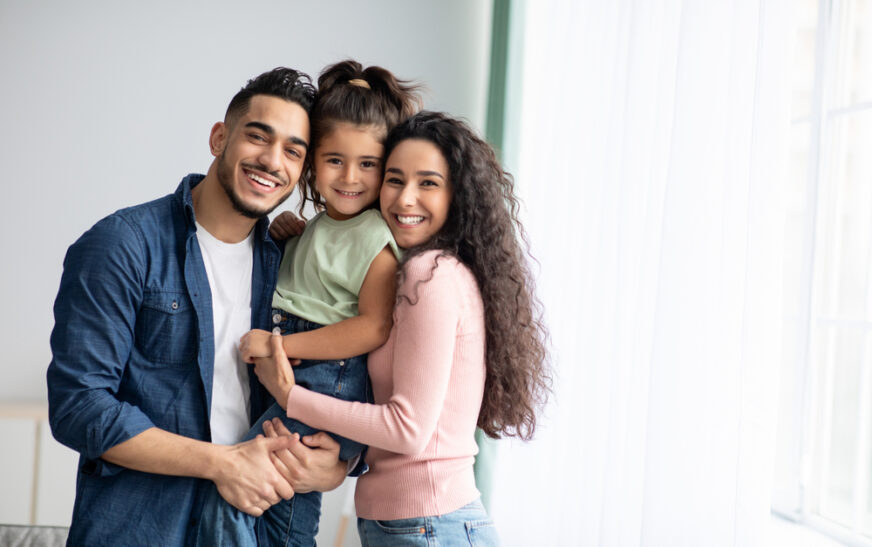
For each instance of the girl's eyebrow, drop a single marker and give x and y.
(367, 157)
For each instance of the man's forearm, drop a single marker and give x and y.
(164, 453)
(243, 473)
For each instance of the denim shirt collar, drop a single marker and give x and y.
(183, 194)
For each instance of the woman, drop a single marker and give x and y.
(467, 346)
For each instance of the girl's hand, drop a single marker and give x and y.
(275, 373)
(286, 226)
(255, 344)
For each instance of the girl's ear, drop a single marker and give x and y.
(218, 138)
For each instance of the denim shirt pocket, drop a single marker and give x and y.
(166, 328)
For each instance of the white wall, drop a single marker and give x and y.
(105, 104)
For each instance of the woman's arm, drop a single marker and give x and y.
(354, 336)
(423, 348)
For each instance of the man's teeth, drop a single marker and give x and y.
(349, 194)
(260, 180)
(410, 219)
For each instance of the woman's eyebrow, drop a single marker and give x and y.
(399, 171)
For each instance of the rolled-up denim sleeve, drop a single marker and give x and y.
(93, 335)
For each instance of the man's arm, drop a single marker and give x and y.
(244, 473)
(92, 340)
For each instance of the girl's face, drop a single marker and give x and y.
(416, 193)
(347, 167)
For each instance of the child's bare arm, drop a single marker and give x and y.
(354, 336)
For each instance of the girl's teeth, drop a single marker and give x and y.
(409, 219)
(350, 194)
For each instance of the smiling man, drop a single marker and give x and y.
(145, 381)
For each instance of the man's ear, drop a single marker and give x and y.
(218, 138)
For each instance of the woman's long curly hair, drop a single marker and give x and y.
(482, 230)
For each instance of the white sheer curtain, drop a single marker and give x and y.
(648, 144)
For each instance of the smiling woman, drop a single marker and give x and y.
(416, 192)
(466, 348)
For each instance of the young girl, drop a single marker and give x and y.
(335, 290)
(466, 348)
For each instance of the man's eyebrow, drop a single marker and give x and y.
(268, 129)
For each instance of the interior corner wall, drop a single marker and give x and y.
(107, 104)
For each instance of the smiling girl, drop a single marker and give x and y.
(335, 291)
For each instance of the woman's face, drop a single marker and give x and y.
(416, 192)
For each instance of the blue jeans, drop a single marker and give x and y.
(469, 525)
(294, 521)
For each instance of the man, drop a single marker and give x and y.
(145, 381)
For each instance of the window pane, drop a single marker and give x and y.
(853, 77)
(842, 350)
(847, 230)
(804, 57)
(796, 219)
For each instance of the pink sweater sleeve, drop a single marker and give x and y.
(423, 341)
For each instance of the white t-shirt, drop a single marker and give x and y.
(228, 267)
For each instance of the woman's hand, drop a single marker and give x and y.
(312, 464)
(286, 226)
(275, 372)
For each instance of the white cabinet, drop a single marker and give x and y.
(37, 474)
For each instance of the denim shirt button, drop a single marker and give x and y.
(341, 363)
(277, 318)
(175, 305)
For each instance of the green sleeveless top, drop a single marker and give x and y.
(323, 269)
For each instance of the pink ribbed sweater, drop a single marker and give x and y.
(427, 381)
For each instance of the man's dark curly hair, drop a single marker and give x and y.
(284, 83)
(482, 230)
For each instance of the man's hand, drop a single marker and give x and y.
(275, 372)
(309, 465)
(247, 478)
(286, 226)
(255, 344)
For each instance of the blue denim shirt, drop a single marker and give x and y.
(132, 348)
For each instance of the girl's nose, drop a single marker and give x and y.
(349, 173)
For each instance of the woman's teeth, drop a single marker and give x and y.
(410, 220)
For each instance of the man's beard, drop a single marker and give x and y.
(225, 177)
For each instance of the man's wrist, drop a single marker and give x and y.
(214, 461)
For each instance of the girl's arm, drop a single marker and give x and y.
(354, 336)
(423, 347)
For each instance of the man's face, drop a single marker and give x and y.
(261, 154)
